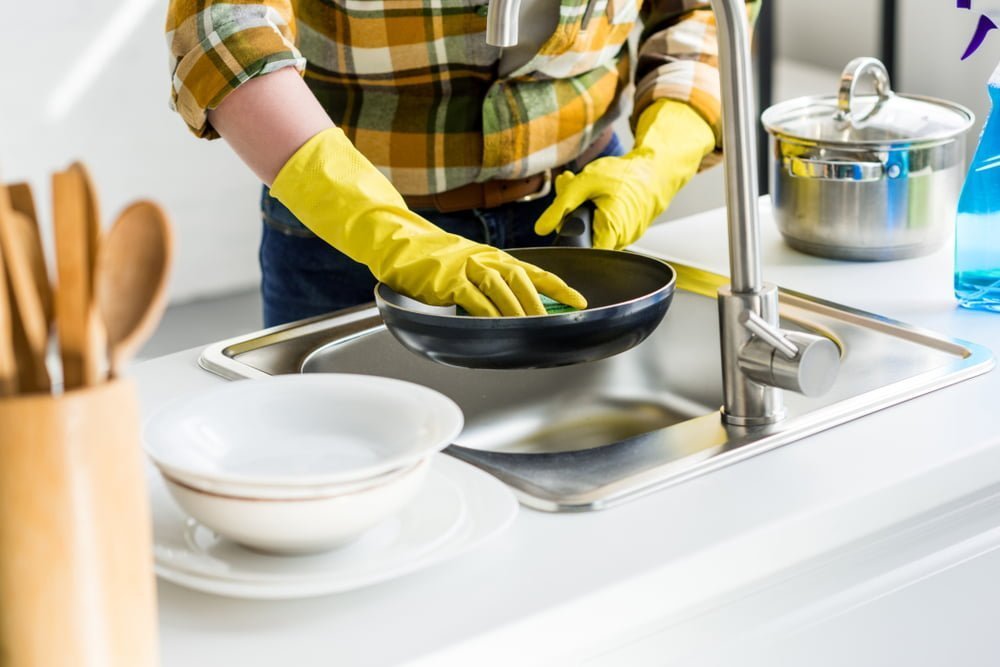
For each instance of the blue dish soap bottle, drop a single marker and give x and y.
(977, 241)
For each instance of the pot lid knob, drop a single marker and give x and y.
(853, 72)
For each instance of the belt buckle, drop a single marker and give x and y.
(542, 191)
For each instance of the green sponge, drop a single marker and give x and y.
(552, 307)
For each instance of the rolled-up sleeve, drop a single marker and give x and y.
(217, 46)
(679, 57)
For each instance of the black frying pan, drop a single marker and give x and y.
(627, 294)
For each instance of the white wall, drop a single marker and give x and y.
(824, 33)
(88, 79)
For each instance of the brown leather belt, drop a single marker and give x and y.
(498, 192)
(486, 195)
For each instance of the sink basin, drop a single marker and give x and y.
(592, 435)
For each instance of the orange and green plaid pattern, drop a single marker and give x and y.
(680, 60)
(216, 46)
(416, 88)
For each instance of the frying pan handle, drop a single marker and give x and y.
(577, 230)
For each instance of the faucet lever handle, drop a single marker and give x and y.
(800, 362)
(770, 334)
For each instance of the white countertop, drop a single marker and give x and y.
(768, 546)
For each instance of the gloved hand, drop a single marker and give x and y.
(338, 194)
(630, 191)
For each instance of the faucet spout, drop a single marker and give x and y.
(739, 143)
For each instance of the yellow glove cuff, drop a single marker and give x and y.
(329, 174)
(670, 129)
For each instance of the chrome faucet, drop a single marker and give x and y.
(758, 358)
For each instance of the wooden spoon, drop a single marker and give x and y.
(132, 271)
(74, 210)
(29, 289)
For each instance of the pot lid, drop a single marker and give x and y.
(882, 118)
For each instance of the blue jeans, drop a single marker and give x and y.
(303, 276)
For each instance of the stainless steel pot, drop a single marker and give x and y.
(866, 177)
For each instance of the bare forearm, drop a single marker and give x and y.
(267, 119)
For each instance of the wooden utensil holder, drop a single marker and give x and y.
(76, 570)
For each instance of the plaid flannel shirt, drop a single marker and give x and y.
(416, 88)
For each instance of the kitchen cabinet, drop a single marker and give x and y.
(868, 544)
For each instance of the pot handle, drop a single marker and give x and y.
(834, 170)
(854, 71)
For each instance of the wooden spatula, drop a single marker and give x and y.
(74, 209)
(96, 334)
(23, 201)
(22, 250)
(8, 368)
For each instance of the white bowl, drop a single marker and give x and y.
(300, 526)
(299, 435)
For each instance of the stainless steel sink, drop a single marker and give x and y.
(589, 436)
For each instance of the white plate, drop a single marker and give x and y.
(458, 508)
(317, 429)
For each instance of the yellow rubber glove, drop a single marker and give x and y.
(338, 194)
(630, 191)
